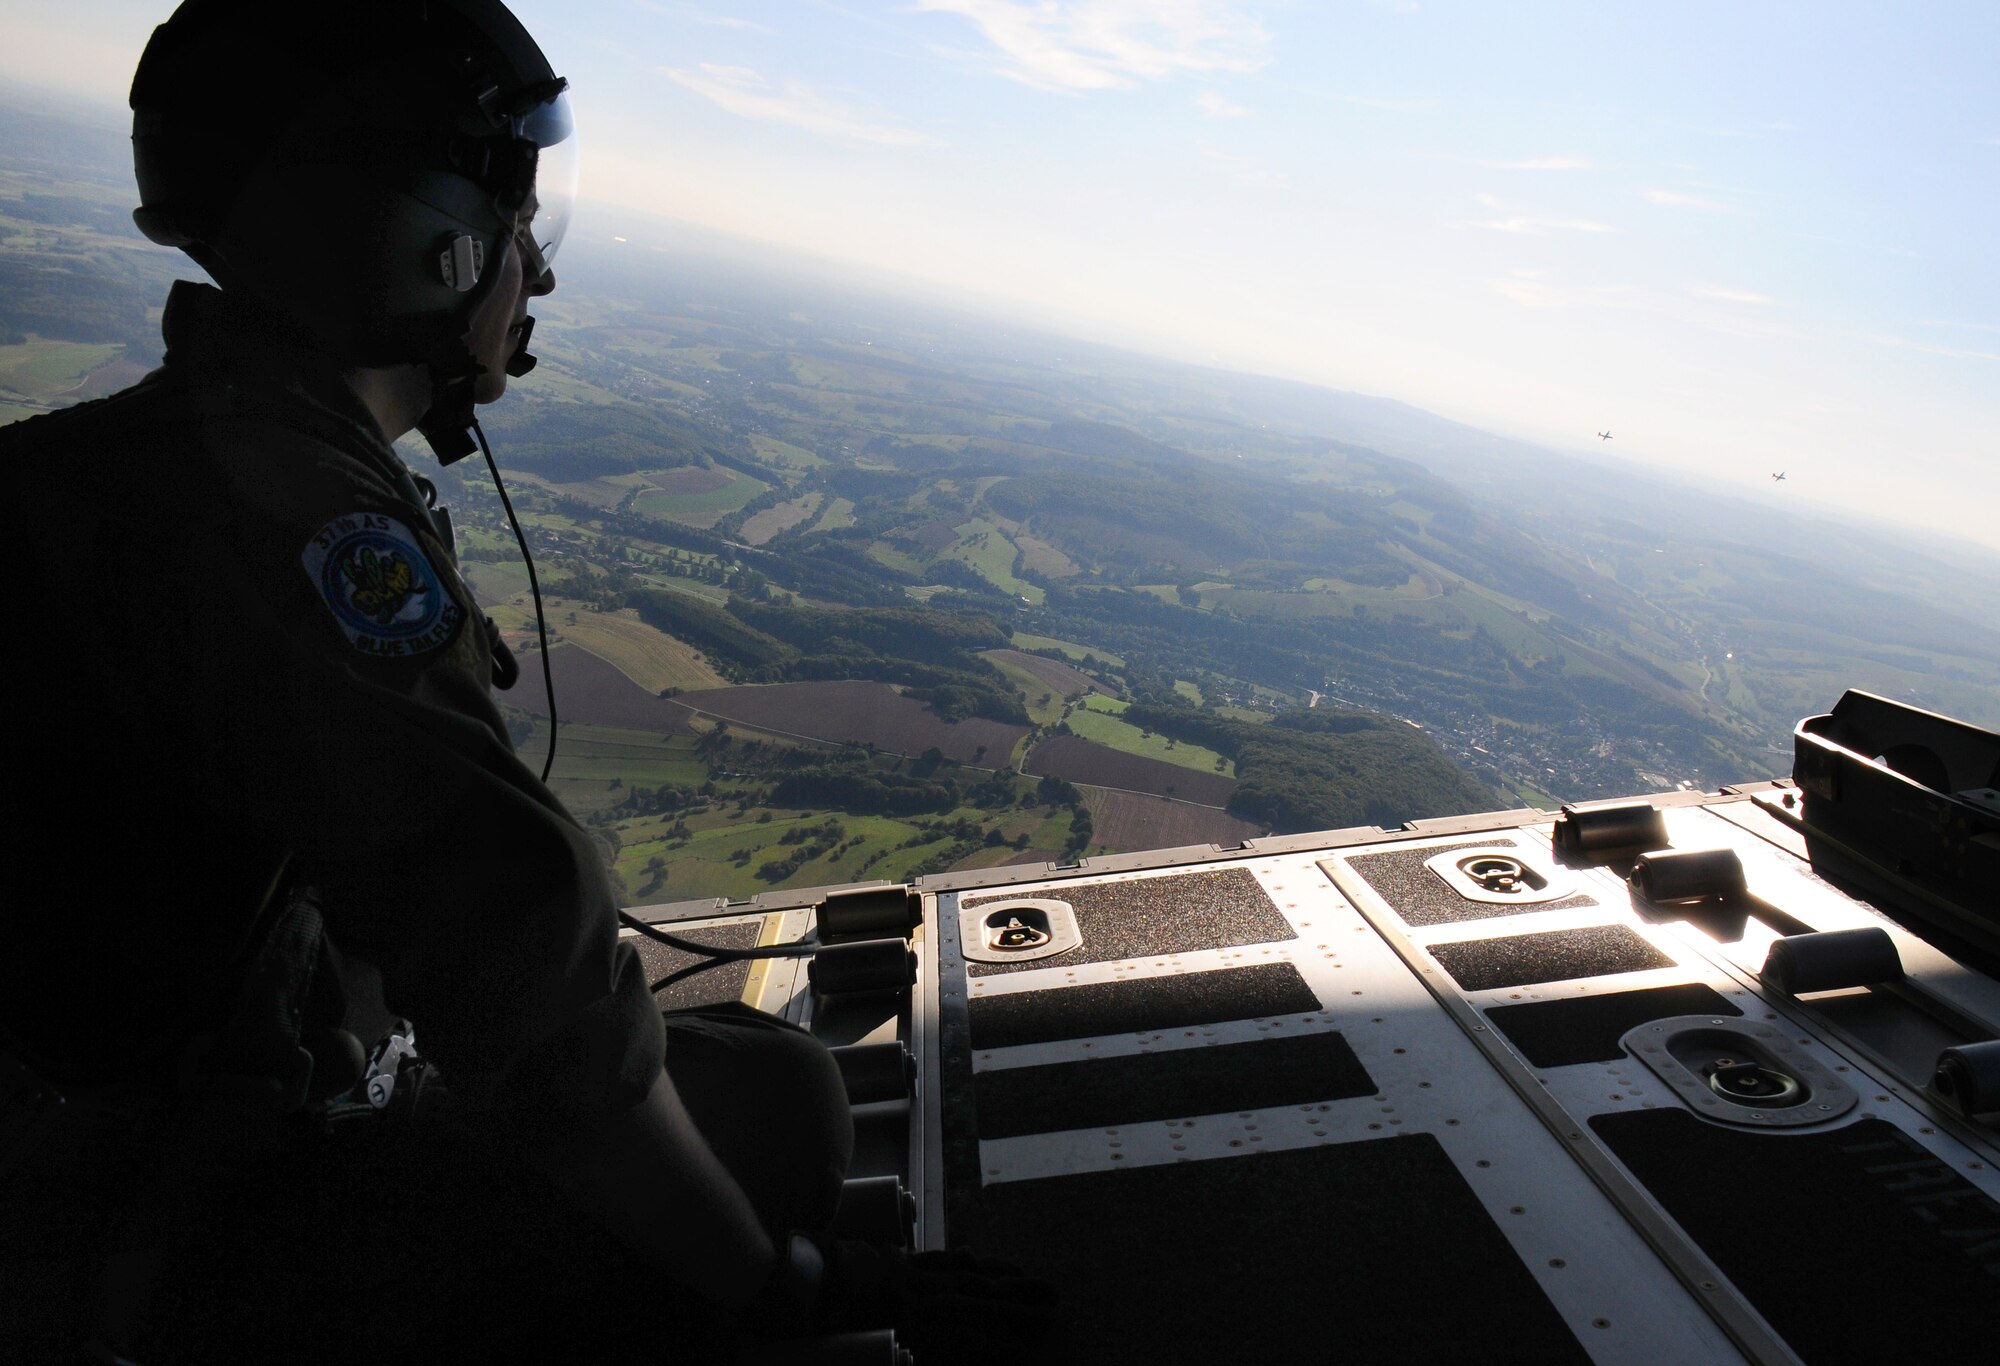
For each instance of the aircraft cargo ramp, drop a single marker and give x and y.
(1632, 1084)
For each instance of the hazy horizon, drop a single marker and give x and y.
(1685, 229)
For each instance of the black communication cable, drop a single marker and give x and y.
(713, 955)
(534, 586)
(721, 953)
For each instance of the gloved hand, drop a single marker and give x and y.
(951, 1308)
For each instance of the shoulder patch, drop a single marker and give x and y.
(382, 589)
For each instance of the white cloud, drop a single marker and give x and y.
(1486, 201)
(747, 94)
(1675, 199)
(1216, 107)
(1537, 226)
(1729, 296)
(698, 15)
(1543, 164)
(1079, 45)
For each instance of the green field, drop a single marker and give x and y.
(591, 759)
(708, 861)
(1069, 649)
(884, 553)
(648, 656)
(1250, 714)
(1031, 689)
(694, 588)
(986, 548)
(700, 509)
(1098, 718)
(779, 518)
(715, 847)
(43, 369)
(837, 516)
(495, 582)
(776, 452)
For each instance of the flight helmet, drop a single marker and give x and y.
(356, 170)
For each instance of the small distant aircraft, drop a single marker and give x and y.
(1604, 436)
(1778, 478)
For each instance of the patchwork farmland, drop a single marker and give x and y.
(861, 713)
(1085, 761)
(1132, 820)
(1058, 677)
(589, 688)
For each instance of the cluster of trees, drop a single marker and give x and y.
(908, 632)
(807, 842)
(741, 652)
(656, 801)
(75, 301)
(1323, 769)
(932, 653)
(1056, 792)
(567, 441)
(959, 575)
(967, 838)
(847, 786)
(960, 701)
(852, 780)
(834, 566)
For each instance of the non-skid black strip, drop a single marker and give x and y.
(1587, 1028)
(1858, 1244)
(1149, 917)
(1367, 1254)
(1558, 956)
(1140, 1004)
(724, 983)
(1100, 1092)
(1421, 897)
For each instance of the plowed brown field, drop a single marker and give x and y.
(1128, 821)
(1085, 761)
(590, 689)
(867, 713)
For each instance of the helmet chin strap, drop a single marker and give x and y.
(447, 423)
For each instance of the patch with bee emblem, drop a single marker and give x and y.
(381, 587)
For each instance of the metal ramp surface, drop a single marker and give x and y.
(1454, 1091)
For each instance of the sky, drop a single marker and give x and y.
(1743, 238)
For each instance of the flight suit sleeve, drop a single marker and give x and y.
(343, 692)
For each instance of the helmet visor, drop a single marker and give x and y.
(546, 215)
